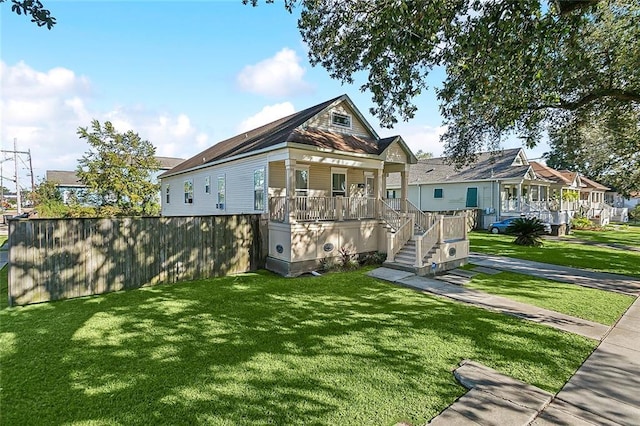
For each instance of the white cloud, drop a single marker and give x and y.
(280, 75)
(425, 138)
(43, 111)
(266, 115)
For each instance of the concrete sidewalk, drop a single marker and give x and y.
(501, 304)
(600, 280)
(604, 390)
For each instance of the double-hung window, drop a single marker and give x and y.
(220, 200)
(338, 182)
(207, 185)
(258, 189)
(188, 191)
(167, 194)
(302, 182)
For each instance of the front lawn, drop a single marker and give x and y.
(623, 235)
(591, 304)
(560, 253)
(257, 348)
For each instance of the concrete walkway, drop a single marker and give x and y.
(604, 390)
(557, 320)
(600, 280)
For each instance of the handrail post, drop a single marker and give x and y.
(440, 229)
(418, 263)
(464, 226)
(390, 250)
(339, 212)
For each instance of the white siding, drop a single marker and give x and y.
(239, 189)
(454, 196)
(323, 121)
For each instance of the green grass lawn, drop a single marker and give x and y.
(3, 238)
(560, 253)
(626, 235)
(591, 304)
(257, 348)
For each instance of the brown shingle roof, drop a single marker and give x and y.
(287, 129)
(168, 163)
(593, 184)
(547, 172)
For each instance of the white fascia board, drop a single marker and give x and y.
(230, 159)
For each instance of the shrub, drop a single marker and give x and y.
(634, 213)
(581, 223)
(375, 258)
(528, 231)
(52, 209)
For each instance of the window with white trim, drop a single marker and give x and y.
(221, 193)
(167, 194)
(302, 181)
(188, 191)
(338, 182)
(258, 189)
(341, 120)
(207, 184)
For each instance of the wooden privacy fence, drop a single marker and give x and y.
(51, 259)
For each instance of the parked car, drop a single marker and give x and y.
(501, 227)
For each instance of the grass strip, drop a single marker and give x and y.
(591, 304)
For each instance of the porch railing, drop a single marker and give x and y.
(391, 216)
(315, 208)
(397, 240)
(358, 208)
(444, 228)
(423, 221)
(310, 209)
(277, 209)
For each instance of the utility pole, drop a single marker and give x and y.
(15, 163)
(33, 185)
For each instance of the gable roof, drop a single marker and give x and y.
(64, 178)
(546, 172)
(168, 163)
(70, 178)
(593, 184)
(292, 129)
(496, 165)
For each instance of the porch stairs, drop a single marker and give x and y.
(405, 259)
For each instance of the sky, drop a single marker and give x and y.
(183, 75)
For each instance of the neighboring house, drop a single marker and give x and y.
(502, 184)
(72, 189)
(317, 176)
(68, 184)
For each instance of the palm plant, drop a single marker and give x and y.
(528, 231)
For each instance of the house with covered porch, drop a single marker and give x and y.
(500, 184)
(318, 178)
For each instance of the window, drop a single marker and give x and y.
(370, 186)
(258, 189)
(167, 194)
(188, 191)
(207, 185)
(221, 193)
(338, 183)
(302, 182)
(341, 120)
(437, 193)
(472, 197)
(391, 193)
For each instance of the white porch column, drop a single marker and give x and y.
(290, 178)
(382, 188)
(404, 188)
(519, 198)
